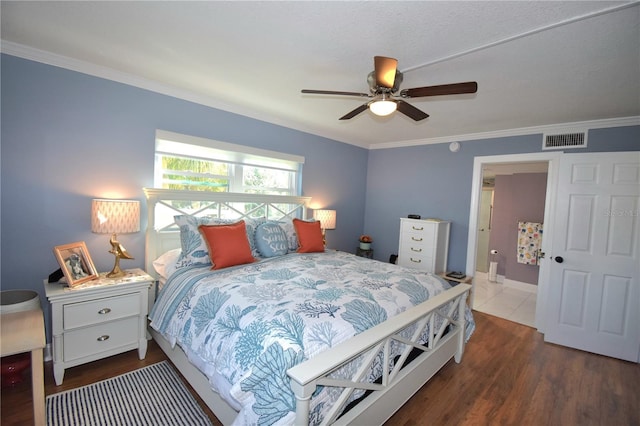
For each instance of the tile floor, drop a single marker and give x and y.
(504, 302)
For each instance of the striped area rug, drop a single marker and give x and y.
(153, 395)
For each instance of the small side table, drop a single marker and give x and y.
(24, 332)
(98, 318)
(364, 253)
(466, 280)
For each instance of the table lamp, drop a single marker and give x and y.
(327, 220)
(115, 217)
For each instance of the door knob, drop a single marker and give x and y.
(558, 259)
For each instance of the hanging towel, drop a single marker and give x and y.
(529, 242)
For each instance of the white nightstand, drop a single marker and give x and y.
(98, 319)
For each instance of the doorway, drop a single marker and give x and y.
(485, 169)
(512, 203)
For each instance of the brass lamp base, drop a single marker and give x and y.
(120, 253)
(116, 272)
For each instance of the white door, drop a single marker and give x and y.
(593, 299)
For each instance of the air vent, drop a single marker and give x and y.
(565, 140)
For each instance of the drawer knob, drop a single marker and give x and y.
(416, 239)
(416, 261)
(418, 229)
(104, 311)
(416, 250)
(103, 338)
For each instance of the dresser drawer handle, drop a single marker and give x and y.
(416, 261)
(103, 338)
(104, 311)
(416, 250)
(418, 229)
(416, 239)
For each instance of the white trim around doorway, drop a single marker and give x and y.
(476, 190)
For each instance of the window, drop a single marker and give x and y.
(199, 164)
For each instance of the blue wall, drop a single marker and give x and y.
(432, 181)
(68, 137)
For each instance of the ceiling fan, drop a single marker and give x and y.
(384, 83)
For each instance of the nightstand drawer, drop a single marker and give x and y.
(97, 311)
(100, 338)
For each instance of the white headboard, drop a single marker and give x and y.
(163, 204)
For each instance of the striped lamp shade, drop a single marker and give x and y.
(115, 216)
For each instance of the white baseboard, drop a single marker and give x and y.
(518, 285)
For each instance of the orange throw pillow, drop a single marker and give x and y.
(309, 236)
(228, 244)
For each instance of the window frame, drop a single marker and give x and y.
(237, 157)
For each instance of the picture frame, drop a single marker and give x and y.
(75, 262)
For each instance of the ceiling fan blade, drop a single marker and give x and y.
(355, 112)
(411, 111)
(331, 92)
(444, 89)
(385, 71)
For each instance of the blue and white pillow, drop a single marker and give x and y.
(271, 240)
(194, 247)
(292, 238)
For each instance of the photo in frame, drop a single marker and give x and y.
(75, 262)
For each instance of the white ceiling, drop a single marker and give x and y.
(536, 63)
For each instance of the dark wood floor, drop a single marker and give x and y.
(508, 376)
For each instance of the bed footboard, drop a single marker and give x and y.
(397, 385)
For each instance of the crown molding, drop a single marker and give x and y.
(551, 128)
(48, 58)
(88, 68)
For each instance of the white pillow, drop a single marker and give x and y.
(167, 263)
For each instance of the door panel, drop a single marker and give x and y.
(614, 296)
(594, 291)
(621, 241)
(574, 290)
(581, 222)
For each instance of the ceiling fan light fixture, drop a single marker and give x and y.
(383, 107)
(384, 85)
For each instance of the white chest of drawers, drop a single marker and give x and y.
(98, 319)
(424, 244)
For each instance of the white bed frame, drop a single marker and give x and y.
(396, 387)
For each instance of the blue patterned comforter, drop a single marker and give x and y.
(245, 326)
